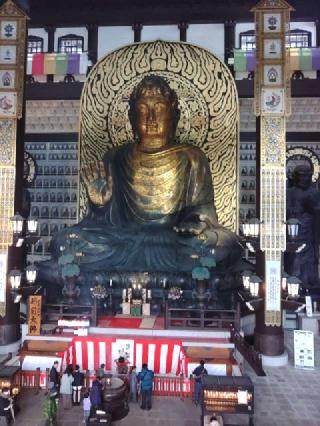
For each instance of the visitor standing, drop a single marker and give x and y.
(54, 378)
(214, 421)
(198, 373)
(66, 389)
(86, 403)
(145, 377)
(101, 371)
(122, 365)
(4, 407)
(96, 393)
(133, 382)
(77, 385)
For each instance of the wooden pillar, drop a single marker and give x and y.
(317, 22)
(137, 28)
(183, 27)
(92, 42)
(229, 41)
(51, 33)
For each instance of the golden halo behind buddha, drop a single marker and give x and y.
(208, 103)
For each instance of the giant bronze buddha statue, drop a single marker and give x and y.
(151, 201)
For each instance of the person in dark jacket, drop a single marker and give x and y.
(145, 377)
(96, 393)
(198, 373)
(4, 407)
(77, 385)
(54, 378)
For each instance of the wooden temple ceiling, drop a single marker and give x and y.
(127, 12)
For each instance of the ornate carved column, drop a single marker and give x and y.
(272, 105)
(13, 34)
(137, 28)
(51, 32)
(183, 26)
(93, 42)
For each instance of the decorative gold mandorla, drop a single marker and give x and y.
(209, 114)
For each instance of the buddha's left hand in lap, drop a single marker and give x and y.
(194, 228)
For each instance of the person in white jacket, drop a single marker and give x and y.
(66, 389)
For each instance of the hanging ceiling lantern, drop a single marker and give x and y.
(32, 224)
(246, 279)
(31, 273)
(15, 278)
(293, 228)
(254, 227)
(254, 285)
(284, 281)
(293, 286)
(17, 222)
(245, 229)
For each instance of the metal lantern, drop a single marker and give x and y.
(254, 285)
(17, 222)
(293, 286)
(254, 227)
(246, 275)
(15, 278)
(245, 229)
(293, 228)
(31, 273)
(284, 281)
(32, 224)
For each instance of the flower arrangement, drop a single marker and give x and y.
(98, 292)
(175, 293)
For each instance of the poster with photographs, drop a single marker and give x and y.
(272, 49)
(8, 54)
(7, 79)
(122, 348)
(8, 30)
(272, 101)
(8, 103)
(272, 75)
(272, 22)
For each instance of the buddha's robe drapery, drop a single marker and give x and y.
(151, 194)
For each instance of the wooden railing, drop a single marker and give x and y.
(252, 356)
(201, 318)
(162, 385)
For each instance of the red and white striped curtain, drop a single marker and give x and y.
(163, 356)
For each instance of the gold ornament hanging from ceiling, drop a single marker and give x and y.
(208, 102)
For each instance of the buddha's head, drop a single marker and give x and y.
(302, 176)
(153, 113)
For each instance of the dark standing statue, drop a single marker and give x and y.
(151, 202)
(303, 203)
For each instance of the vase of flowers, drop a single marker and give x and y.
(174, 294)
(98, 292)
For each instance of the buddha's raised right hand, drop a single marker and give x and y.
(99, 187)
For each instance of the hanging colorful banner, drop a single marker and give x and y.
(57, 63)
(301, 59)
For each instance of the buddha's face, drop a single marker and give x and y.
(153, 119)
(303, 178)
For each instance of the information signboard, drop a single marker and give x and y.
(303, 349)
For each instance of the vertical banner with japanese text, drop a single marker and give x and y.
(34, 315)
